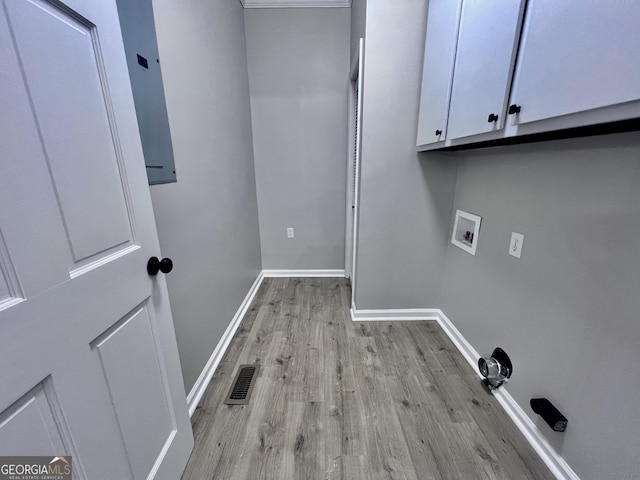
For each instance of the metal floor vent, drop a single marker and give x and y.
(240, 391)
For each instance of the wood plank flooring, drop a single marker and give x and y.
(342, 400)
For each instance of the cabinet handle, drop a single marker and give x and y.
(492, 118)
(438, 132)
(513, 109)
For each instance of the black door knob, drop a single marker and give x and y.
(438, 132)
(492, 118)
(513, 109)
(154, 265)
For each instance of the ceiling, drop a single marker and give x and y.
(294, 3)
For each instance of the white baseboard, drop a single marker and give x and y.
(468, 352)
(196, 393)
(384, 315)
(198, 389)
(303, 273)
(558, 466)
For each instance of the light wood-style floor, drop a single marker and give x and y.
(342, 400)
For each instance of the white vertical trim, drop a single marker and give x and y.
(198, 389)
(355, 95)
(351, 107)
(357, 75)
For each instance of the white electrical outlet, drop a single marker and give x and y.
(515, 247)
(289, 232)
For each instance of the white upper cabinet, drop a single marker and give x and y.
(439, 57)
(487, 46)
(576, 56)
(490, 74)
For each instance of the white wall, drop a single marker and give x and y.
(298, 70)
(567, 312)
(405, 197)
(208, 220)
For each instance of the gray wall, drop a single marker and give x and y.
(208, 220)
(298, 70)
(358, 23)
(568, 311)
(405, 197)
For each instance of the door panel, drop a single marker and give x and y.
(65, 57)
(577, 56)
(25, 188)
(76, 230)
(31, 426)
(132, 367)
(439, 58)
(487, 45)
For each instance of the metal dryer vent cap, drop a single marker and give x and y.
(496, 369)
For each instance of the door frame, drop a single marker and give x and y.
(353, 195)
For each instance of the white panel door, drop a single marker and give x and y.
(487, 45)
(577, 56)
(88, 359)
(437, 70)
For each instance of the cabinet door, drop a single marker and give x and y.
(439, 56)
(487, 44)
(577, 56)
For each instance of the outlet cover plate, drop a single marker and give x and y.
(515, 247)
